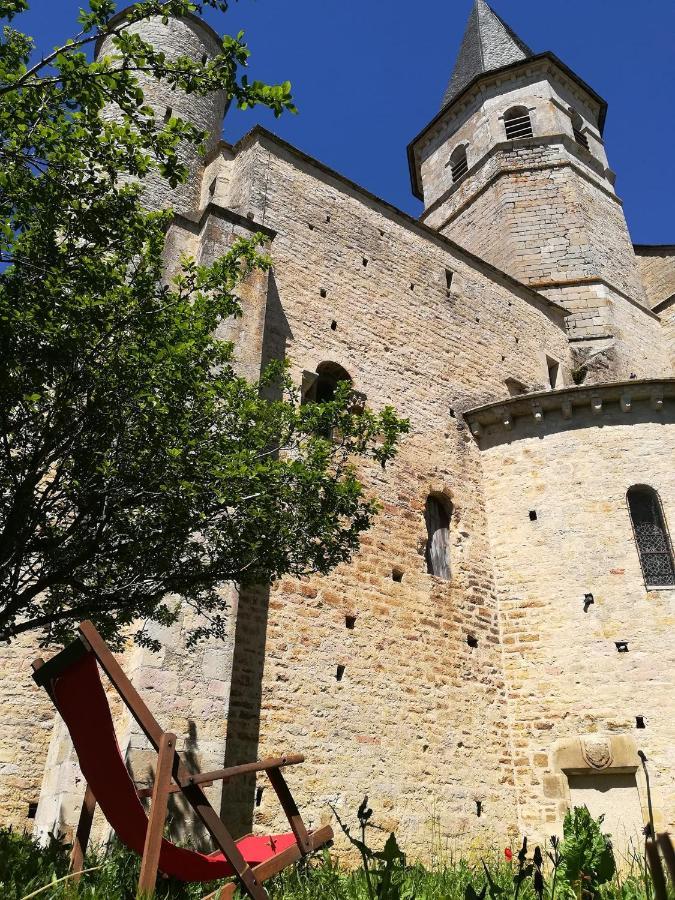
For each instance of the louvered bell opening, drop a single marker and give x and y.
(459, 169)
(581, 138)
(518, 127)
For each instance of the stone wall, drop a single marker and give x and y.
(26, 723)
(564, 676)
(417, 719)
(554, 224)
(657, 269)
(666, 312)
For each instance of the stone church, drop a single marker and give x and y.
(501, 647)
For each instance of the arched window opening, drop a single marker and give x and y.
(517, 123)
(320, 386)
(459, 164)
(651, 536)
(577, 128)
(437, 513)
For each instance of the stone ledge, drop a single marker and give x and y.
(592, 400)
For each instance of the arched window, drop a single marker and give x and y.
(651, 536)
(517, 123)
(459, 165)
(577, 128)
(437, 513)
(319, 386)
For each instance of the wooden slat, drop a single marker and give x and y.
(197, 800)
(289, 806)
(157, 819)
(207, 778)
(82, 833)
(123, 686)
(278, 863)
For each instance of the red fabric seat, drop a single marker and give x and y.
(81, 701)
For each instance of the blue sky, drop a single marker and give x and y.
(368, 75)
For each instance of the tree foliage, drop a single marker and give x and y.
(138, 471)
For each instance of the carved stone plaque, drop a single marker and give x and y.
(597, 751)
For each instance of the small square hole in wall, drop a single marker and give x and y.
(310, 226)
(588, 601)
(259, 795)
(168, 113)
(412, 286)
(339, 673)
(397, 575)
(533, 515)
(640, 722)
(333, 325)
(621, 646)
(365, 261)
(479, 808)
(350, 622)
(323, 292)
(32, 810)
(327, 219)
(472, 640)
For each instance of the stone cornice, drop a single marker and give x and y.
(591, 279)
(589, 401)
(195, 221)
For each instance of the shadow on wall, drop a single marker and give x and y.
(276, 334)
(243, 726)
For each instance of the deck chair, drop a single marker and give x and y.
(72, 680)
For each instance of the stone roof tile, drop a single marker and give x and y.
(488, 44)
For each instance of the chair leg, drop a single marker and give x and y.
(82, 834)
(290, 808)
(157, 818)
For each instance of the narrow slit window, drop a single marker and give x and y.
(553, 367)
(437, 518)
(651, 536)
(459, 165)
(577, 128)
(449, 275)
(517, 123)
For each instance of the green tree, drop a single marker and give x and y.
(137, 470)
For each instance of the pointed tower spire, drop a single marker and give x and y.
(488, 44)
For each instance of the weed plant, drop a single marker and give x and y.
(579, 867)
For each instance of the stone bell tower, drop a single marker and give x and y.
(188, 36)
(514, 168)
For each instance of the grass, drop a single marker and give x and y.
(29, 870)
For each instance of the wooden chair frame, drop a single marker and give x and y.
(170, 767)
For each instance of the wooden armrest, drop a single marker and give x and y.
(207, 778)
